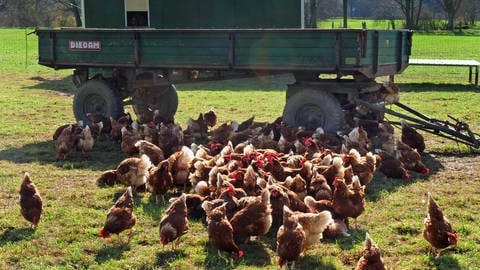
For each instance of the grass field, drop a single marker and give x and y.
(35, 100)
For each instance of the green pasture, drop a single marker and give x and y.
(35, 100)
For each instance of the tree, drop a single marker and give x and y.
(470, 11)
(345, 13)
(412, 10)
(311, 7)
(451, 7)
(74, 7)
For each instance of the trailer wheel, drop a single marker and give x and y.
(314, 108)
(147, 100)
(96, 96)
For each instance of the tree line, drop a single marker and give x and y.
(416, 14)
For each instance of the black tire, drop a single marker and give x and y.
(96, 96)
(161, 98)
(314, 108)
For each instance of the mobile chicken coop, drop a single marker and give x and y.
(135, 50)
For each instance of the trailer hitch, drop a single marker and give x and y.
(457, 130)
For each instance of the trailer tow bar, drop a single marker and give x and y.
(456, 130)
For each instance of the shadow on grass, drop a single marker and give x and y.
(111, 252)
(255, 254)
(165, 257)
(440, 87)
(356, 237)
(104, 156)
(444, 262)
(15, 235)
(63, 85)
(314, 262)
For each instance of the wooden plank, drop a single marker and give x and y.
(443, 62)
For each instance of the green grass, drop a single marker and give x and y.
(34, 101)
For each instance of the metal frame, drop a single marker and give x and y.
(457, 130)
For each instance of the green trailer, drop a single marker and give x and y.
(147, 49)
(113, 65)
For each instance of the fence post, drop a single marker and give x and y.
(26, 49)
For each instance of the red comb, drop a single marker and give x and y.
(235, 175)
(308, 141)
(426, 172)
(231, 189)
(303, 160)
(240, 254)
(405, 176)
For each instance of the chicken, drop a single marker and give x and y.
(174, 223)
(86, 141)
(31, 205)
(319, 189)
(255, 218)
(194, 205)
(337, 228)
(129, 139)
(348, 202)
(390, 93)
(180, 165)
(371, 259)
(159, 180)
(278, 199)
(65, 142)
(220, 232)
(437, 228)
(221, 134)
(197, 129)
(358, 139)
(296, 184)
(313, 225)
(364, 167)
(170, 138)
(101, 121)
(154, 153)
(336, 170)
(120, 217)
(133, 171)
(76, 128)
(317, 206)
(392, 167)
(290, 239)
(116, 130)
(411, 159)
(412, 138)
(210, 118)
(108, 177)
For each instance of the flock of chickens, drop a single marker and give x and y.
(248, 179)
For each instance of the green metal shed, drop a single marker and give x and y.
(193, 14)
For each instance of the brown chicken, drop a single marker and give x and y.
(363, 167)
(210, 118)
(108, 177)
(348, 202)
(220, 232)
(319, 189)
(180, 165)
(290, 239)
(154, 153)
(174, 223)
(116, 130)
(85, 141)
(371, 259)
(336, 170)
(296, 184)
(412, 138)
(255, 218)
(120, 217)
(65, 142)
(31, 205)
(159, 180)
(392, 167)
(437, 228)
(278, 199)
(317, 206)
(411, 159)
(129, 139)
(133, 171)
